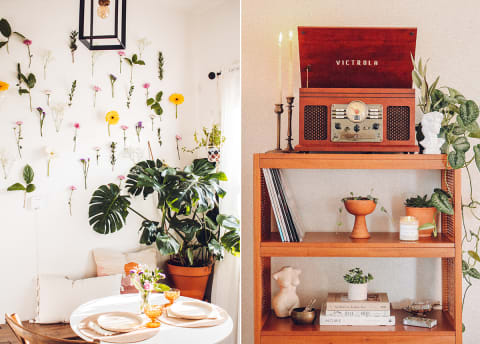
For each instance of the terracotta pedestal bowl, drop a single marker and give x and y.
(360, 208)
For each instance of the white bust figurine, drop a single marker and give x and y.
(286, 299)
(431, 124)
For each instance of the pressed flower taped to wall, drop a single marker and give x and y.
(76, 126)
(72, 189)
(73, 44)
(18, 136)
(29, 187)
(51, 155)
(41, 115)
(124, 129)
(3, 86)
(85, 167)
(112, 118)
(28, 43)
(97, 154)
(47, 58)
(96, 89)
(113, 79)
(176, 99)
(121, 54)
(138, 129)
(28, 81)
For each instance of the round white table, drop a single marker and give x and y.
(166, 335)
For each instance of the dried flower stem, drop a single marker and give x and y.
(113, 159)
(18, 138)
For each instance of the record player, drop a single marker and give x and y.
(356, 93)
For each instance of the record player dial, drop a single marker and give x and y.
(357, 111)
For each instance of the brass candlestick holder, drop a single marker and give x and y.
(278, 110)
(289, 148)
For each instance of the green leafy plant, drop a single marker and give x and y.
(352, 197)
(154, 103)
(29, 81)
(28, 187)
(160, 65)
(356, 276)
(73, 44)
(459, 127)
(72, 92)
(134, 60)
(211, 138)
(189, 228)
(6, 31)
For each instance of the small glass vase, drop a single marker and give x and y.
(144, 300)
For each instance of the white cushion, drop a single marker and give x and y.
(110, 262)
(58, 296)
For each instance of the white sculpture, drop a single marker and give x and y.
(431, 124)
(287, 299)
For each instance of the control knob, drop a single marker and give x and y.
(375, 126)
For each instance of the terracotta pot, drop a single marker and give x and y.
(360, 208)
(423, 215)
(192, 281)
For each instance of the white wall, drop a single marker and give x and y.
(64, 242)
(446, 32)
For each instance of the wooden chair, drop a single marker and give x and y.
(24, 335)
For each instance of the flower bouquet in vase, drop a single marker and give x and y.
(146, 281)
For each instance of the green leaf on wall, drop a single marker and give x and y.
(474, 255)
(28, 174)
(16, 187)
(5, 28)
(476, 150)
(30, 188)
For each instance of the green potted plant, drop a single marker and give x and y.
(212, 140)
(189, 230)
(425, 210)
(459, 127)
(360, 206)
(357, 284)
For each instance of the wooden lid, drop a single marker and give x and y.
(352, 57)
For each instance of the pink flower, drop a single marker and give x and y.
(27, 42)
(121, 53)
(97, 88)
(73, 188)
(77, 125)
(97, 148)
(121, 177)
(146, 85)
(148, 286)
(124, 127)
(18, 122)
(178, 137)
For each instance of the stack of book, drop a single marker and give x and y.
(375, 311)
(284, 209)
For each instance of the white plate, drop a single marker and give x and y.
(120, 321)
(194, 310)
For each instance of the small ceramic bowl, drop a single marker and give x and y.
(300, 317)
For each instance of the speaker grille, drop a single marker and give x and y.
(398, 123)
(315, 122)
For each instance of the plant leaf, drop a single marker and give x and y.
(231, 242)
(474, 255)
(5, 28)
(140, 62)
(150, 101)
(473, 273)
(476, 150)
(149, 232)
(442, 203)
(228, 221)
(190, 255)
(167, 244)
(469, 112)
(30, 188)
(456, 159)
(426, 226)
(215, 249)
(16, 187)
(159, 95)
(461, 144)
(28, 174)
(108, 209)
(2, 43)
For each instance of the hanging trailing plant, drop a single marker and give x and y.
(459, 128)
(28, 81)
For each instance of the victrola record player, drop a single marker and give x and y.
(356, 93)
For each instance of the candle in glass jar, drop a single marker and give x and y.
(290, 64)
(279, 72)
(408, 228)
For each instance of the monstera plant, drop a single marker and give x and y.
(188, 226)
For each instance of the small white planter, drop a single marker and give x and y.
(357, 292)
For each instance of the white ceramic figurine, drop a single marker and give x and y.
(431, 124)
(286, 299)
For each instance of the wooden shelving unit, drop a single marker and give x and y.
(267, 244)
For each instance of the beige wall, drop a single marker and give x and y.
(448, 34)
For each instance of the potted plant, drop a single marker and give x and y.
(357, 284)
(189, 230)
(212, 140)
(425, 210)
(360, 206)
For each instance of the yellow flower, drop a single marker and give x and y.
(112, 118)
(177, 99)
(3, 86)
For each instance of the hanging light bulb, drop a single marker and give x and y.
(103, 9)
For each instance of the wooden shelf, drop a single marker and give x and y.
(380, 244)
(283, 331)
(353, 161)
